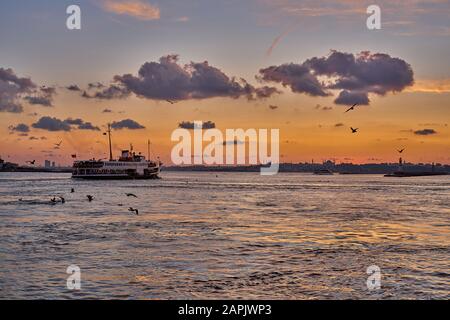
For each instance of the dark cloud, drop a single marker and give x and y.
(21, 127)
(355, 76)
(169, 80)
(74, 121)
(81, 124)
(88, 126)
(12, 90)
(351, 97)
(127, 124)
(297, 77)
(191, 125)
(43, 96)
(51, 124)
(425, 132)
(73, 87)
(112, 92)
(54, 124)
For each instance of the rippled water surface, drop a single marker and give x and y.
(225, 235)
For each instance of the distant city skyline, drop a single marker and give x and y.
(149, 67)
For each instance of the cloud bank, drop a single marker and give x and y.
(353, 76)
(54, 124)
(169, 80)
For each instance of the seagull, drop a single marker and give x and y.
(131, 195)
(171, 101)
(351, 108)
(58, 144)
(354, 130)
(72, 190)
(134, 210)
(401, 151)
(90, 198)
(62, 199)
(31, 162)
(53, 200)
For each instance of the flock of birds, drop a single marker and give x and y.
(90, 198)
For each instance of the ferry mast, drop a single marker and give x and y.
(109, 138)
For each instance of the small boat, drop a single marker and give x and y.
(129, 166)
(323, 172)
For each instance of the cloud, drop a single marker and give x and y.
(51, 124)
(425, 132)
(43, 96)
(191, 125)
(74, 121)
(169, 80)
(295, 76)
(73, 87)
(354, 76)
(12, 90)
(88, 126)
(126, 124)
(134, 8)
(21, 127)
(111, 92)
(54, 124)
(349, 98)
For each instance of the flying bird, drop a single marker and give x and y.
(171, 101)
(62, 199)
(351, 108)
(401, 151)
(58, 144)
(90, 198)
(136, 211)
(354, 130)
(31, 162)
(131, 195)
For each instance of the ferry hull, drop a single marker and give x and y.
(100, 177)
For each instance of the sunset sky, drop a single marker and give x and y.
(291, 65)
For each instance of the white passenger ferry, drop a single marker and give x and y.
(129, 166)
